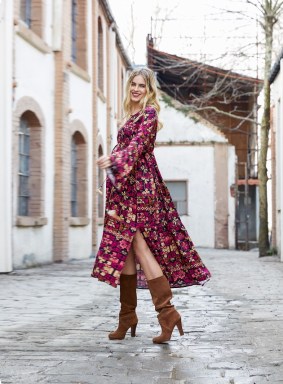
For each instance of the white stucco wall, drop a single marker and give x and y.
(277, 99)
(231, 199)
(181, 128)
(6, 38)
(34, 245)
(187, 153)
(81, 103)
(196, 165)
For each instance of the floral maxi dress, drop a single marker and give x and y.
(142, 201)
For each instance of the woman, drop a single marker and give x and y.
(144, 242)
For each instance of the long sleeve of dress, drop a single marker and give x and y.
(124, 160)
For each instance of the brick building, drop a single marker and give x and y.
(61, 93)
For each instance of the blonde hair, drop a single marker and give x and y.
(150, 98)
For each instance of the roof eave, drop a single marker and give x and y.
(111, 20)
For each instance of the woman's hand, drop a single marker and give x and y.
(104, 162)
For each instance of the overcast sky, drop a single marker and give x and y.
(218, 32)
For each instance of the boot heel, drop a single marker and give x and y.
(180, 328)
(133, 330)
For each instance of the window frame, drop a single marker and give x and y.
(74, 25)
(100, 53)
(74, 177)
(25, 12)
(24, 155)
(186, 201)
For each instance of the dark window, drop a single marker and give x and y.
(100, 56)
(74, 29)
(24, 168)
(25, 12)
(74, 177)
(178, 191)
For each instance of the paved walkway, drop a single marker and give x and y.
(54, 322)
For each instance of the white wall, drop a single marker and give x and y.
(277, 98)
(6, 38)
(193, 160)
(196, 165)
(80, 245)
(231, 200)
(181, 128)
(34, 245)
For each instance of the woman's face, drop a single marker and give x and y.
(137, 89)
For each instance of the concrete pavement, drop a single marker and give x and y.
(54, 322)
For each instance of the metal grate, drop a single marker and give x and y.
(178, 192)
(74, 30)
(74, 178)
(24, 168)
(26, 12)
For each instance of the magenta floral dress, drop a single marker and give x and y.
(142, 201)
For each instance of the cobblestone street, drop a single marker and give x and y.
(55, 320)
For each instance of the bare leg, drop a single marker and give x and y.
(130, 264)
(148, 262)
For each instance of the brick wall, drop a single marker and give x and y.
(62, 142)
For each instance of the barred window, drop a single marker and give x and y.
(178, 191)
(78, 176)
(74, 177)
(25, 11)
(31, 12)
(24, 168)
(74, 29)
(100, 56)
(79, 33)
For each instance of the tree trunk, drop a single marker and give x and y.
(264, 138)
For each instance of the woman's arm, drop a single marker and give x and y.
(122, 162)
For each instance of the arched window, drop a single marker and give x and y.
(78, 176)
(100, 196)
(31, 12)
(30, 166)
(24, 168)
(79, 33)
(100, 52)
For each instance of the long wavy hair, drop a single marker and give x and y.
(150, 98)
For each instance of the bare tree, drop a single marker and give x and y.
(161, 16)
(270, 11)
(227, 90)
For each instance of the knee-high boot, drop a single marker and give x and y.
(167, 316)
(128, 299)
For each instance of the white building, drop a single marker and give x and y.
(276, 80)
(61, 85)
(6, 40)
(198, 165)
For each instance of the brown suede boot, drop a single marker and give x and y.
(127, 316)
(168, 317)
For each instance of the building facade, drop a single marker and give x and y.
(276, 80)
(227, 100)
(199, 167)
(64, 74)
(6, 39)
